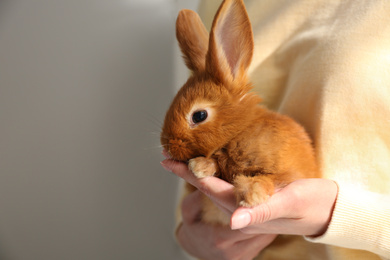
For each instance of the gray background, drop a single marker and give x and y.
(84, 85)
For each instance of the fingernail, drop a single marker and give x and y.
(166, 167)
(240, 221)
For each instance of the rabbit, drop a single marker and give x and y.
(219, 127)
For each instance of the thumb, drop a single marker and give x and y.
(278, 206)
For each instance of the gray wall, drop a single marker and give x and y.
(84, 85)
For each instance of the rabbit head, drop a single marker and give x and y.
(215, 104)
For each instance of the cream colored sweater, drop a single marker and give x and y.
(326, 63)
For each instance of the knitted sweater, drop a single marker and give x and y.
(326, 63)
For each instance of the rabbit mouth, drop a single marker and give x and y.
(178, 150)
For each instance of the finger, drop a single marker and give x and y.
(208, 241)
(222, 236)
(278, 206)
(250, 248)
(219, 191)
(191, 209)
(180, 169)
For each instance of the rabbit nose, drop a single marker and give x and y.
(175, 144)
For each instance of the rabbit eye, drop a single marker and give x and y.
(199, 116)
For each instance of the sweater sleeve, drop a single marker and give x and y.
(361, 220)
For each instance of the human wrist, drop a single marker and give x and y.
(327, 211)
(357, 222)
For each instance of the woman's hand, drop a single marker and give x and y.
(207, 241)
(213, 242)
(303, 207)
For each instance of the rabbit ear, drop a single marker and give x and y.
(193, 39)
(231, 42)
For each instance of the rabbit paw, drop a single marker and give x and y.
(252, 191)
(202, 167)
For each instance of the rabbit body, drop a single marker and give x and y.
(266, 155)
(219, 127)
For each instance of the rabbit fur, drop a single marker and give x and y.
(240, 141)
